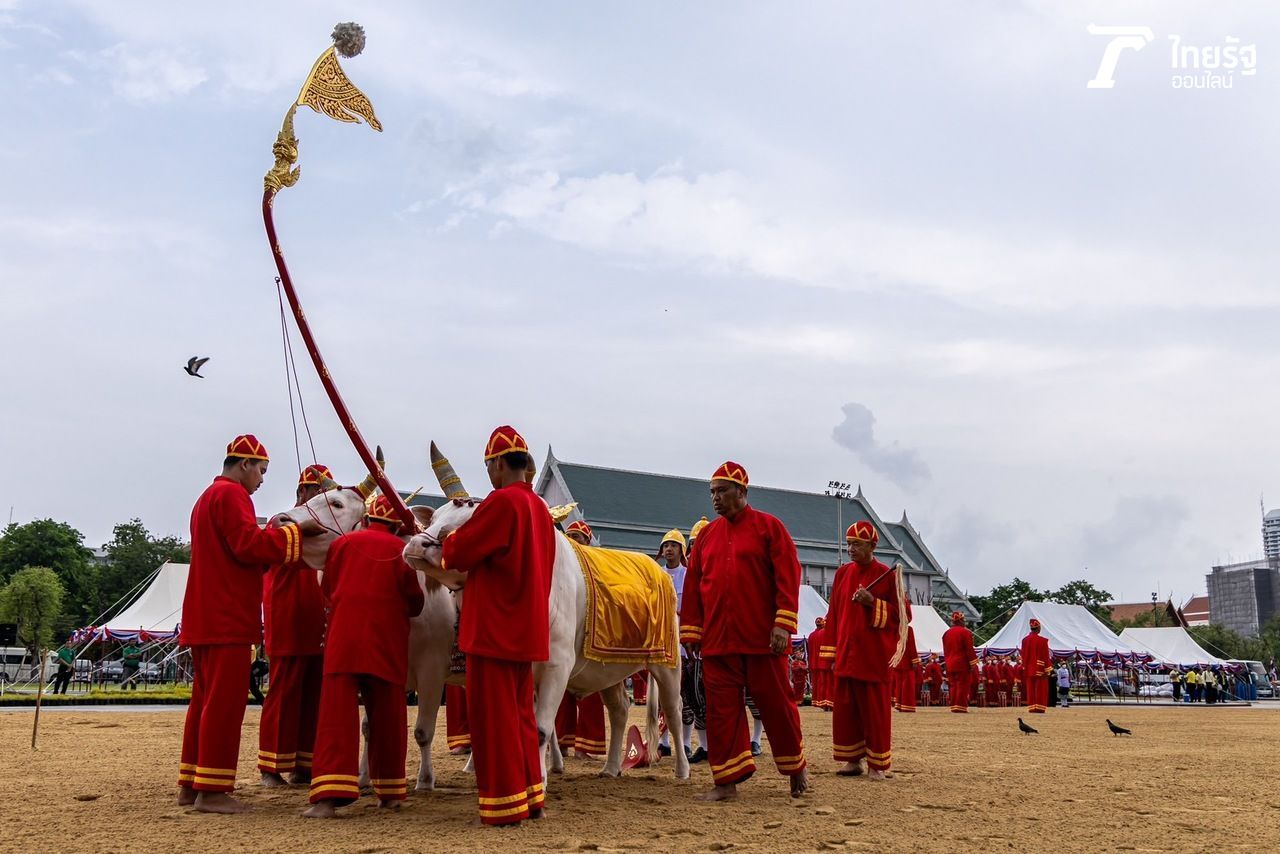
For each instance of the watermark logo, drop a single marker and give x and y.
(1121, 38)
(1211, 66)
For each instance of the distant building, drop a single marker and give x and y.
(1271, 535)
(1243, 596)
(1196, 611)
(633, 510)
(1127, 612)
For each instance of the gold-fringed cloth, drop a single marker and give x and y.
(631, 608)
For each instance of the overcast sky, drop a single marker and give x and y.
(910, 251)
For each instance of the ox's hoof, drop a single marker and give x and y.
(607, 774)
(425, 786)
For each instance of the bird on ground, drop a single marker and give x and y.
(1117, 730)
(1027, 730)
(194, 364)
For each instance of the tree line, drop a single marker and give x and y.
(46, 563)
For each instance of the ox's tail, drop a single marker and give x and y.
(652, 707)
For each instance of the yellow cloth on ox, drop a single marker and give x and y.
(631, 608)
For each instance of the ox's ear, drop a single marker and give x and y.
(422, 514)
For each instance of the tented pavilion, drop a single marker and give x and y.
(1171, 645)
(1072, 631)
(929, 628)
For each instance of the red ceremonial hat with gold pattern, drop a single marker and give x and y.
(732, 472)
(1035, 624)
(314, 475)
(957, 618)
(581, 527)
(380, 508)
(820, 621)
(862, 532)
(505, 440)
(247, 447)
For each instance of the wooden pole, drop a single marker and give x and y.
(35, 724)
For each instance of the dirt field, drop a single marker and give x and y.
(1190, 779)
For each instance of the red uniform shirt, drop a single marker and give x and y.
(933, 672)
(866, 636)
(743, 581)
(1036, 660)
(507, 549)
(229, 554)
(293, 611)
(957, 649)
(372, 593)
(819, 642)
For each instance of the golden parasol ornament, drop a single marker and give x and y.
(327, 90)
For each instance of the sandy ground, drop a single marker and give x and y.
(1190, 779)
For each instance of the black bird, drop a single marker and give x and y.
(1117, 730)
(194, 364)
(1027, 730)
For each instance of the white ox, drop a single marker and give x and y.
(566, 668)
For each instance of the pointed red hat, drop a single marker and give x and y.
(732, 472)
(504, 440)
(635, 754)
(314, 475)
(247, 447)
(581, 527)
(862, 532)
(957, 618)
(380, 508)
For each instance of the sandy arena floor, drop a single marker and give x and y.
(1190, 779)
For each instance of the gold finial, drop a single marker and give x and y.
(327, 90)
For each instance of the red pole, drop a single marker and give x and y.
(339, 407)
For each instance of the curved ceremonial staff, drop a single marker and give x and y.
(327, 90)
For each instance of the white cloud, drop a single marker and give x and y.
(144, 75)
(856, 433)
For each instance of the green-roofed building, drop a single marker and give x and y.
(633, 510)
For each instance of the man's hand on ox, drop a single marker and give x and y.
(779, 640)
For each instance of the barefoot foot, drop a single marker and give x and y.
(850, 769)
(186, 797)
(720, 793)
(271, 780)
(219, 802)
(394, 806)
(300, 778)
(799, 783)
(320, 809)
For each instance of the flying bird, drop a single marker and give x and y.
(1027, 730)
(1117, 730)
(194, 364)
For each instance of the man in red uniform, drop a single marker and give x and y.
(580, 722)
(507, 551)
(372, 595)
(456, 729)
(991, 680)
(819, 665)
(869, 620)
(799, 676)
(962, 661)
(1037, 665)
(222, 620)
(293, 622)
(933, 678)
(1002, 678)
(907, 671)
(1015, 682)
(741, 593)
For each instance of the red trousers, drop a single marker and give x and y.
(337, 764)
(822, 688)
(505, 743)
(580, 724)
(992, 693)
(640, 687)
(1036, 692)
(908, 691)
(799, 679)
(728, 678)
(958, 685)
(935, 693)
(287, 733)
(861, 725)
(211, 737)
(457, 730)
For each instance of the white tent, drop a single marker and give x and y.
(929, 626)
(1070, 630)
(155, 614)
(812, 606)
(1170, 645)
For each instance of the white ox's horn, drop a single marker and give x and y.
(368, 485)
(450, 483)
